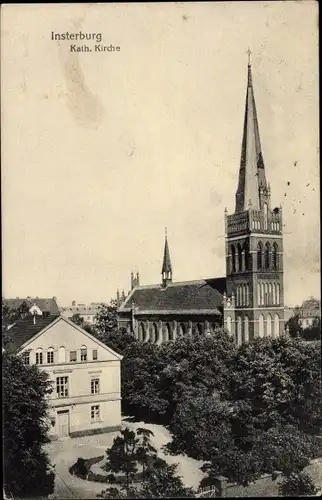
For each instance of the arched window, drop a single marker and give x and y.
(239, 330)
(228, 323)
(246, 253)
(243, 295)
(233, 258)
(247, 295)
(246, 329)
(157, 335)
(39, 356)
(83, 353)
(277, 294)
(265, 216)
(269, 325)
(141, 332)
(62, 355)
(146, 333)
(166, 332)
(259, 294)
(261, 326)
(275, 256)
(154, 333)
(259, 255)
(267, 252)
(265, 294)
(240, 257)
(270, 294)
(199, 328)
(276, 325)
(50, 355)
(181, 330)
(274, 293)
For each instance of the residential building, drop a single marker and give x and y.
(249, 300)
(85, 374)
(37, 305)
(86, 312)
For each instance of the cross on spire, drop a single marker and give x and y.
(249, 52)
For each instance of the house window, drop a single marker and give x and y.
(26, 358)
(50, 355)
(62, 387)
(83, 353)
(73, 356)
(39, 357)
(95, 413)
(95, 385)
(94, 354)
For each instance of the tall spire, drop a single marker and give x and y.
(166, 266)
(251, 171)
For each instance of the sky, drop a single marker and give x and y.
(101, 150)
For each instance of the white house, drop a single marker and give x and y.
(85, 373)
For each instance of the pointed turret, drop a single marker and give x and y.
(166, 266)
(251, 171)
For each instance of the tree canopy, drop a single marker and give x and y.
(27, 471)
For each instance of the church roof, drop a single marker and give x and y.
(45, 305)
(187, 297)
(252, 171)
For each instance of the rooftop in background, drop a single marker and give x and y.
(45, 305)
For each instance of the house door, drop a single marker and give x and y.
(63, 423)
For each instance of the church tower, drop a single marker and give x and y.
(166, 270)
(254, 304)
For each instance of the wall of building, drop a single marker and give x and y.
(63, 338)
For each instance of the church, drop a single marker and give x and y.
(249, 301)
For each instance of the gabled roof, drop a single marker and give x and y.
(198, 296)
(25, 331)
(45, 305)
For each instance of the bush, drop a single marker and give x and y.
(82, 468)
(298, 484)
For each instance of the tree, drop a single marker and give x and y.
(27, 471)
(106, 319)
(294, 326)
(162, 482)
(313, 332)
(279, 380)
(121, 457)
(9, 317)
(77, 319)
(141, 369)
(145, 451)
(298, 484)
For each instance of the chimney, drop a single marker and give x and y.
(137, 279)
(74, 303)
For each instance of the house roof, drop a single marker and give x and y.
(200, 296)
(25, 330)
(48, 305)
